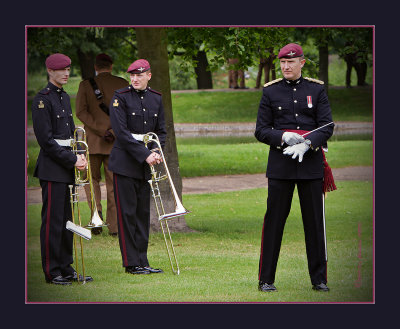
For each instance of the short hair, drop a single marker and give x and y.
(103, 61)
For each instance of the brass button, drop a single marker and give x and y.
(144, 110)
(298, 127)
(295, 101)
(294, 89)
(133, 113)
(297, 115)
(279, 108)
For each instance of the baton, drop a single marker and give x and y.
(307, 133)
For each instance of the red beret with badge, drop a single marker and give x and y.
(291, 50)
(58, 61)
(139, 66)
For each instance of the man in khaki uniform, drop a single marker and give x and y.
(92, 103)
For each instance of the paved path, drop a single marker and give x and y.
(245, 129)
(225, 183)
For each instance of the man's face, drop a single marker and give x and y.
(140, 81)
(291, 67)
(59, 77)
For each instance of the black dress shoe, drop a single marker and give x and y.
(113, 233)
(153, 270)
(59, 280)
(320, 287)
(74, 278)
(136, 270)
(263, 286)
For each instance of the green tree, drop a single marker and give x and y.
(152, 45)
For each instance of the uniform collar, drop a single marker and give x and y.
(52, 87)
(140, 92)
(294, 82)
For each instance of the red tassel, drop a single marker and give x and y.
(329, 183)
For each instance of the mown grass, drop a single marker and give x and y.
(227, 156)
(219, 261)
(348, 104)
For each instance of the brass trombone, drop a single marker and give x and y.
(81, 147)
(162, 215)
(95, 220)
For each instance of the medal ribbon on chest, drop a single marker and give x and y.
(309, 101)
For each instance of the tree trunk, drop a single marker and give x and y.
(203, 76)
(152, 45)
(361, 69)
(86, 62)
(323, 64)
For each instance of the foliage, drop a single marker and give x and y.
(119, 43)
(248, 44)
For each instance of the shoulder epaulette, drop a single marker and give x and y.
(272, 82)
(123, 90)
(154, 91)
(314, 80)
(44, 91)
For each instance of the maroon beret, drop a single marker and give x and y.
(104, 58)
(58, 61)
(291, 50)
(139, 66)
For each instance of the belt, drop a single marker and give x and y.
(64, 142)
(138, 137)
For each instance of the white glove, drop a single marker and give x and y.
(292, 138)
(297, 150)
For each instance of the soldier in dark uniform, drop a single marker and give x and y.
(134, 111)
(54, 128)
(289, 107)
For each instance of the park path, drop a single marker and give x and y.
(226, 183)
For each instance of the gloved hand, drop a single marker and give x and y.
(292, 138)
(297, 150)
(108, 136)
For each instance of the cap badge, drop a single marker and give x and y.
(141, 69)
(291, 53)
(309, 101)
(41, 105)
(115, 104)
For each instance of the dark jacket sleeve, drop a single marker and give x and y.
(42, 127)
(119, 124)
(265, 132)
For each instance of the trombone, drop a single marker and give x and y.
(95, 220)
(162, 215)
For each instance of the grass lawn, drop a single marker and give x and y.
(219, 262)
(353, 104)
(229, 156)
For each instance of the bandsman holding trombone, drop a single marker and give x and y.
(134, 111)
(54, 127)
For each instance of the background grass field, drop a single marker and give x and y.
(219, 261)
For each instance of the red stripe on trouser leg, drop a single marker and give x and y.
(261, 252)
(121, 228)
(48, 216)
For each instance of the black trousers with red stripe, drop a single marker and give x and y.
(56, 242)
(280, 193)
(132, 199)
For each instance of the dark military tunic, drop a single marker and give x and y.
(285, 105)
(134, 112)
(294, 105)
(52, 119)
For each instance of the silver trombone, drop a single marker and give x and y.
(163, 216)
